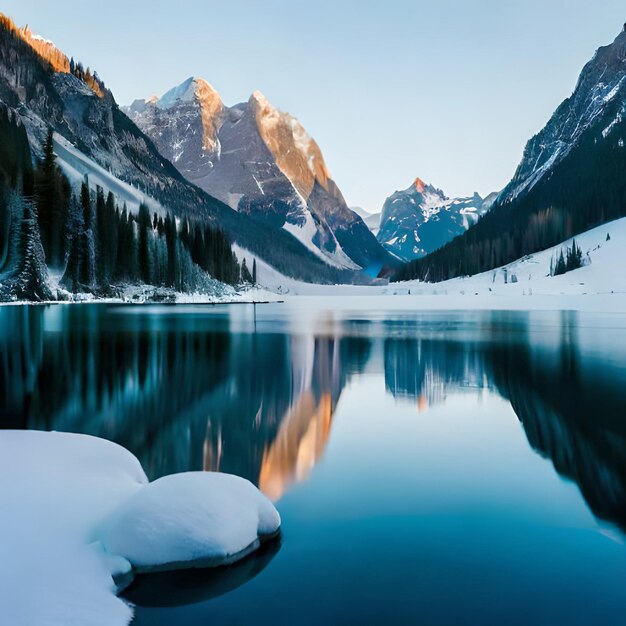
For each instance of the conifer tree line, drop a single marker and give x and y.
(58, 61)
(586, 189)
(566, 261)
(93, 244)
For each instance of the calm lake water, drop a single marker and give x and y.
(429, 468)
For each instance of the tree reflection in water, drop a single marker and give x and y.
(186, 392)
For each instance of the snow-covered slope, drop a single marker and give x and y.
(604, 253)
(598, 286)
(75, 165)
(422, 218)
(260, 161)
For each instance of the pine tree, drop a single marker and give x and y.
(75, 230)
(172, 249)
(246, 277)
(145, 227)
(574, 257)
(52, 196)
(32, 274)
(107, 238)
(100, 239)
(111, 239)
(87, 244)
(124, 269)
(254, 272)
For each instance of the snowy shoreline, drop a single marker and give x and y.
(362, 298)
(149, 303)
(254, 296)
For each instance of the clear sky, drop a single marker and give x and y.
(446, 90)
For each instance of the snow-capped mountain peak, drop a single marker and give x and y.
(185, 92)
(193, 100)
(191, 90)
(421, 218)
(259, 160)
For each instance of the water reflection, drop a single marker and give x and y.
(181, 588)
(214, 389)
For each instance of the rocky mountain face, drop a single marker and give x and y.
(420, 219)
(602, 84)
(261, 162)
(95, 137)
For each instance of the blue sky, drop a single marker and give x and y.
(448, 91)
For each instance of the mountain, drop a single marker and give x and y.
(598, 101)
(372, 220)
(261, 162)
(94, 137)
(420, 219)
(571, 178)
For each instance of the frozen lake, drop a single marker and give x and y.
(438, 468)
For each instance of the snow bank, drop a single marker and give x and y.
(196, 519)
(71, 481)
(78, 510)
(54, 489)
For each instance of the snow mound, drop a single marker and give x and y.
(55, 488)
(194, 519)
(77, 512)
(71, 480)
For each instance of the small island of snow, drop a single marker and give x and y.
(197, 519)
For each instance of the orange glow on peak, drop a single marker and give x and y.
(419, 185)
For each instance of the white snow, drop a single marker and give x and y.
(196, 517)
(609, 96)
(35, 37)
(598, 279)
(607, 131)
(307, 233)
(54, 489)
(75, 165)
(66, 500)
(599, 286)
(185, 92)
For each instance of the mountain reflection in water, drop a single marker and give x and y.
(190, 390)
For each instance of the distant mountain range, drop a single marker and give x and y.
(572, 177)
(261, 162)
(422, 218)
